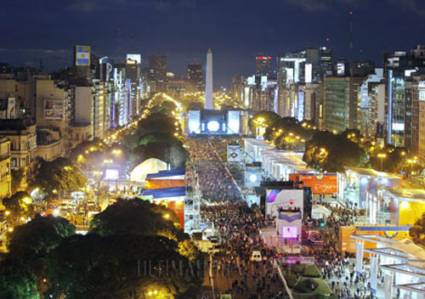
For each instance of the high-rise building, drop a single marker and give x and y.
(260, 94)
(372, 104)
(238, 88)
(399, 66)
(340, 103)
(263, 65)
(415, 121)
(158, 72)
(326, 61)
(195, 76)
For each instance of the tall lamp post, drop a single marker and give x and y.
(382, 157)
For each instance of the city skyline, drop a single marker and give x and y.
(183, 30)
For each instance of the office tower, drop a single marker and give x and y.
(133, 67)
(340, 103)
(415, 102)
(158, 72)
(263, 65)
(326, 61)
(362, 68)
(195, 76)
(238, 88)
(372, 104)
(398, 68)
(260, 93)
(104, 73)
(209, 81)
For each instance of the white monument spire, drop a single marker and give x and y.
(209, 82)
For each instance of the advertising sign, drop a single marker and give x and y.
(319, 184)
(54, 109)
(233, 153)
(134, 59)
(11, 108)
(233, 122)
(82, 55)
(285, 199)
(287, 206)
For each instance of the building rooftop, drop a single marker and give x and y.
(15, 124)
(374, 173)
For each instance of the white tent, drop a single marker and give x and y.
(152, 165)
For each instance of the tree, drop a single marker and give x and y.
(17, 281)
(39, 236)
(24, 269)
(19, 207)
(264, 120)
(18, 179)
(116, 266)
(170, 151)
(58, 176)
(136, 217)
(417, 231)
(329, 152)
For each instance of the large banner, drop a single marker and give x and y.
(82, 55)
(54, 109)
(233, 153)
(319, 184)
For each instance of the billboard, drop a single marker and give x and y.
(54, 109)
(253, 176)
(134, 59)
(233, 122)
(194, 119)
(319, 184)
(233, 153)
(82, 55)
(286, 199)
(287, 206)
(8, 108)
(308, 73)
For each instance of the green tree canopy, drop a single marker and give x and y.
(329, 152)
(58, 176)
(39, 236)
(417, 231)
(17, 281)
(136, 217)
(115, 266)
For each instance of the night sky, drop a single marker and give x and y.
(183, 30)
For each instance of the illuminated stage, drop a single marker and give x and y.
(214, 122)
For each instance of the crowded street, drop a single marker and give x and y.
(236, 268)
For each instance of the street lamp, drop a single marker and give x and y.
(382, 157)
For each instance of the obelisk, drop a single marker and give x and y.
(209, 82)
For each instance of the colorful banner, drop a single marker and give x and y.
(163, 184)
(319, 184)
(82, 55)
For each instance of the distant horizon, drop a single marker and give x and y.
(50, 64)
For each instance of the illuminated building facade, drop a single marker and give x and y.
(340, 103)
(263, 65)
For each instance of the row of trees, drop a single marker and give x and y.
(124, 255)
(157, 136)
(328, 151)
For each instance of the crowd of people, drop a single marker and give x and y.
(234, 270)
(214, 179)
